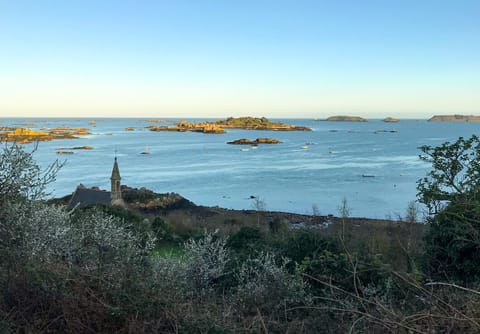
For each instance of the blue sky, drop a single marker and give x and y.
(231, 58)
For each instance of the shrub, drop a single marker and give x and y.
(207, 258)
(451, 191)
(266, 285)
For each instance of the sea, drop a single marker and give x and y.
(372, 165)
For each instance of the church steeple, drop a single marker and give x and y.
(116, 192)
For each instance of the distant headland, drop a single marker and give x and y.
(454, 118)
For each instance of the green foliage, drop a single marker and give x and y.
(141, 195)
(451, 191)
(247, 122)
(161, 230)
(304, 244)
(455, 174)
(452, 245)
(249, 239)
(127, 216)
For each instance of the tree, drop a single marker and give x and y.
(21, 177)
(455, 173)
(412, 212)
(451, 193)
(260, 206)
(344, 209)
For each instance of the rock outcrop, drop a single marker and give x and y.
(184, 126)
(454, 118)
(254, 123)
(346, 119)
(24, 136)
(255, 142)
(391, 120)
(245, 123)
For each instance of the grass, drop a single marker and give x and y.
(169, 249)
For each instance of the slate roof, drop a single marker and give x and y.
(87, 196)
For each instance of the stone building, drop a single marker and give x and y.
(83, 196)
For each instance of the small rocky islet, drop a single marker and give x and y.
(346, 119)
(255, 142)
(68, 150)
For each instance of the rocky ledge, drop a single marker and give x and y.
(346, 119)
(255, 142)
(86, 147)
(454, 118)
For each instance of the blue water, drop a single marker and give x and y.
(287, 177)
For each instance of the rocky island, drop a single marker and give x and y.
(253, 123)
(184, 126)
(255, 142)
(454, 118)
(346, 119)
(391, 120)
(25, 136)
(219, 126)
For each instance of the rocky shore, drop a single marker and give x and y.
(173, 205)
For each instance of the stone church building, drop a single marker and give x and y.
(84, 196)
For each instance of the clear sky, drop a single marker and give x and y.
(218, 58)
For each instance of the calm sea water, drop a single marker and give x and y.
(287, 176)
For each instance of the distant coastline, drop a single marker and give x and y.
(454, 118)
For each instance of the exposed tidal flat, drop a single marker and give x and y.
(292, 176)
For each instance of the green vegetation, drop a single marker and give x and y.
(255, 123)
(451, 191)
(156, 267)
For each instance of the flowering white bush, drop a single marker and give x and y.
(207, 258)
(262, 283)
(195, 273)
(20, 176)
(93, 243)
(170, 278)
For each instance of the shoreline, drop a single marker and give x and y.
(173, 203)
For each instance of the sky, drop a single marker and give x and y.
(220, 58)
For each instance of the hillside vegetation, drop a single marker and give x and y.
(164, 265)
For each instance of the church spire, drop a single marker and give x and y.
(116, 192)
